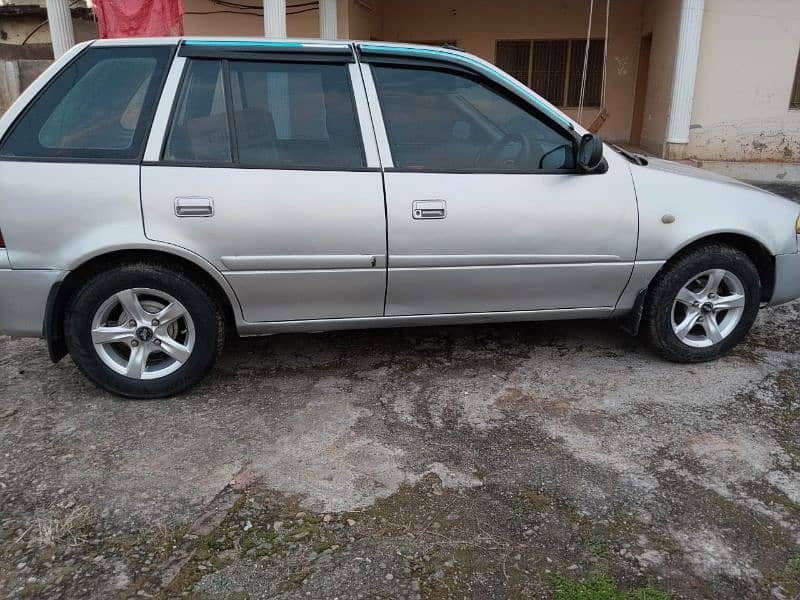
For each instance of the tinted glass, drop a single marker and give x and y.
(445, 121)
(294, 115)
(199, 130)
(98, 107)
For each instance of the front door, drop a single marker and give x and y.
(263, 174)
(486, 211)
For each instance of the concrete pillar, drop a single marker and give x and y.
(684, 76)
(327, 20)
(275, 18)
(60, 21)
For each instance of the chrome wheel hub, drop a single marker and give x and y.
(143, 333)
(708, 308)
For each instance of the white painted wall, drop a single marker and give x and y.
(748, 57)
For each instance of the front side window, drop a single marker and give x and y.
(266, 114)
(446, 121)
(98, 107)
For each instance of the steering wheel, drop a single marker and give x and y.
(491, 156)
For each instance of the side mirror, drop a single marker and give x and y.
(590, 152)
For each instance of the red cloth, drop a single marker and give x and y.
(139, 18)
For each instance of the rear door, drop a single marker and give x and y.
(486, 210)
(260, 167)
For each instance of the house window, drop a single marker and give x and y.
(554, 68)
(794, 103)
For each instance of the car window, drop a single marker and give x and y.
(98, 107)
(200, 130)
(284, 115)
(445, 121)
(294, 115)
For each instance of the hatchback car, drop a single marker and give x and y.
(156, 193)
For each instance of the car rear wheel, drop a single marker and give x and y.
(702, 304)
(144, 330)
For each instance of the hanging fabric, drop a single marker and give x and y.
(139, 18)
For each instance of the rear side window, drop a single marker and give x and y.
(200, 129)
(266, 114)
(98, 107)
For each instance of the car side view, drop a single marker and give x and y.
(157, 193)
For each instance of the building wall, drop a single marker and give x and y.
(15, 30)
(202, 17)
(748, 57)
(661, 19)
(476, 25)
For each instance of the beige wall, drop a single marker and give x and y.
(661, 19)
(228, 23)
(353, 20)
(476, 25)
(18, 28)
(747, 64)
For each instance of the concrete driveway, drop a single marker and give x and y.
(477, 462)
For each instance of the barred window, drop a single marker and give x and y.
(554, 68)
(794, 103)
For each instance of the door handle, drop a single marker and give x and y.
(194, 207)
(429, 209)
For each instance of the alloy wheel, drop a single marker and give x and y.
(708, 308)
(143, 333)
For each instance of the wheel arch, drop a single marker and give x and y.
(62, 292)
(755, 250)
(762, 258)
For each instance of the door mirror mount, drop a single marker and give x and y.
(590, 153)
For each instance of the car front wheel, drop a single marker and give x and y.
(144, 330)
(702, 304)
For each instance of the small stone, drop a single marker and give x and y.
(20, 566)
(300, 536)
(327, 518)
(572, 568)
(389, 577)
(415, 585)
(300, 515)
(528, 532)
(277, 525)
(351, 522)
(436, 525)
(248, 526)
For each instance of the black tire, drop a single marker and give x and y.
(657, 316)
(196, 298)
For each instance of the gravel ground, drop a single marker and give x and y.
(479, 462)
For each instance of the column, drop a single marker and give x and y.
(327, 20)
(687, 54)
(275, 18)
(60, 22)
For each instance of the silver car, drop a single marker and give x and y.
(156, 193)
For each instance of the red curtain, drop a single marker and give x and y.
(139, 18)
